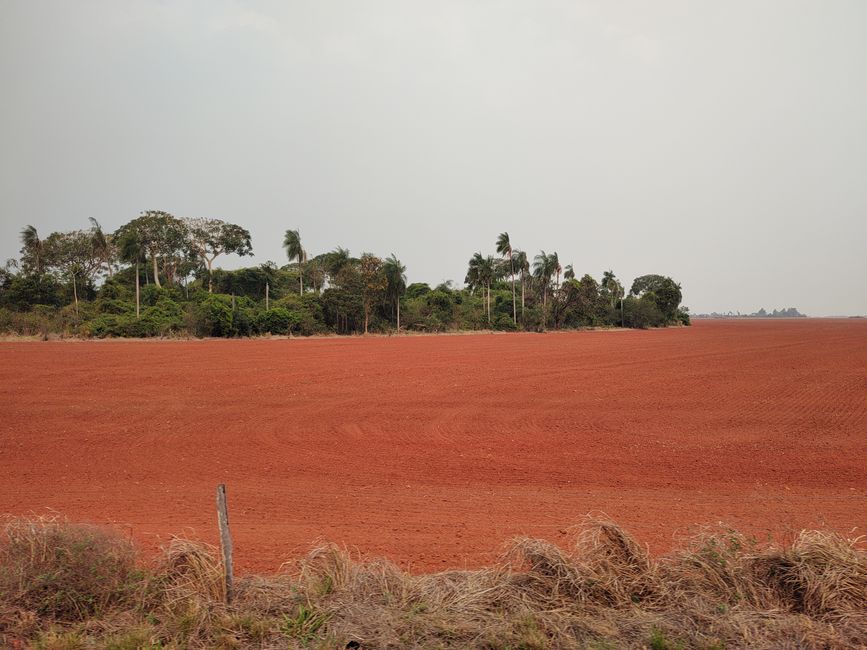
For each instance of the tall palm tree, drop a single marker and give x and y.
(133, 250)
(556, 268)
(294, 251)
(520, 261)
(481, 273)
(395, 275)
(611, 284)
(102, 244)
(33, 248)
(544, 267)
(569, 273)
(504, 248)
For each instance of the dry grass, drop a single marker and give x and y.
(71, 586)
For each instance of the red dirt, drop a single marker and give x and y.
(435, 450)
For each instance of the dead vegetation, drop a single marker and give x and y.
(71, 586)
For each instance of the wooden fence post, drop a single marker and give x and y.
(225, 538)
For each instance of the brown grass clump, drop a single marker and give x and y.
(69, 586)
(63, 571)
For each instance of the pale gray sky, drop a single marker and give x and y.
(721, 143)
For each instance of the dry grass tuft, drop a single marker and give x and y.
(69, 572)
(723, 591)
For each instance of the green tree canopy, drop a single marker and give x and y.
(209, 238)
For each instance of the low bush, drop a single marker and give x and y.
(274, 321)
(212, 316)
(66, 572)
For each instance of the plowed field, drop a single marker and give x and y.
(434, 450)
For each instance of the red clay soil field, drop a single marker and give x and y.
(434, 450)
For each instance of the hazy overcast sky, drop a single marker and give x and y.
(721, 143)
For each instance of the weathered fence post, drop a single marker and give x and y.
(225, 538)
(267, 291)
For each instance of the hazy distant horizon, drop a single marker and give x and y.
(722, 144)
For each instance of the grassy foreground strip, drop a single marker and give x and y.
(72, 586)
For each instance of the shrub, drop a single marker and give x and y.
(212, 316)
(274, 321)
(113, 306)
(642, 313)
(504, 322)
(165, 317)
(63, 571)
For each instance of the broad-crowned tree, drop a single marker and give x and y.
(73, 256)
(209, 238)
(163, 236)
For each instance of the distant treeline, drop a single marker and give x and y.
(788, 312)
(155, 276)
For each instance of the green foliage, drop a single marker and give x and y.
(212, 316)
(417, 289)
(274, 321)
(115, 307)
(305, 624)
(666, 293)
(165, 318)
(330, 292)
(641, 313)
(22, 291)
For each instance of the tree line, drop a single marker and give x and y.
(156, 276)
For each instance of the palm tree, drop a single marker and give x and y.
(395, 275)
(482, 272)
(520, 261)
(335, 261)
(504, 248)
(132, 250)
(611, 284)
(569, 273)
(556, 268)
(102, 244)
(545, 266)
(33, 248)
(294, 251)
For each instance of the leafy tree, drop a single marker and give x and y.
(569, 273)
(504, 248)
(210, 238)
(395, 276)
(643, 312)
(163, 237)
(294, 251)
(666, 293)
(72, 254)
(373, 284)
(417, 289)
